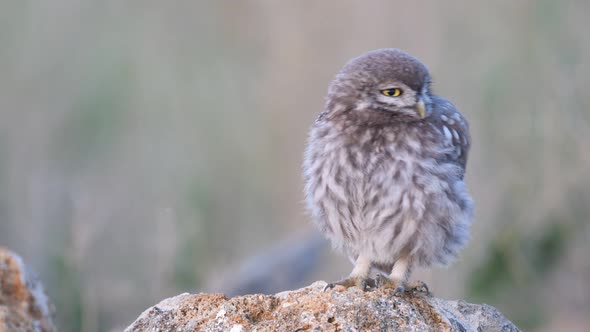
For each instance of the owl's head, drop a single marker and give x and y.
(388, 82)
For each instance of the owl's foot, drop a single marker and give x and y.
(344, 284)
(418, 287)
(398, 286)
(401, 287)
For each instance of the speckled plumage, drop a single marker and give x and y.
(384, 184)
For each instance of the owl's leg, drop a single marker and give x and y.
(358, 277)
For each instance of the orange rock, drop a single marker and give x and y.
(313, 309)
(24, 305)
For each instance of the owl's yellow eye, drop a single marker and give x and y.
(393, 92)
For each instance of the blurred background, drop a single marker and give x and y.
(149, 148)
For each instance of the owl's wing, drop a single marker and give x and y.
(454, 129)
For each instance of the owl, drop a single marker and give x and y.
(384, 170)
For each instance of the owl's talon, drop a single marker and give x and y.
(420, 287)
(384, 282)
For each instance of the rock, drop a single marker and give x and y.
(24, 305)
(312, 309)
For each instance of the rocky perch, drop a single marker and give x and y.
(24, 306)
(312, 309)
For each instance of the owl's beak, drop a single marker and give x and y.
(421, 108)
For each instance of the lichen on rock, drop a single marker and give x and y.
(313, 309)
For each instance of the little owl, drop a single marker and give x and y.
(384, 170)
